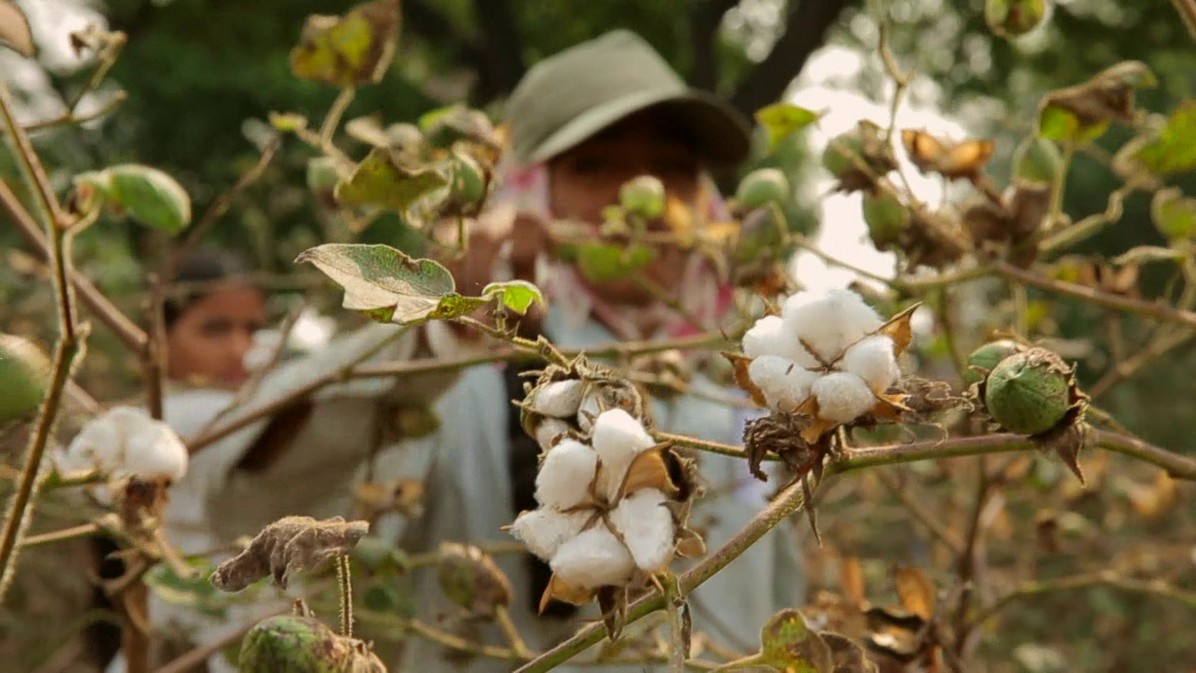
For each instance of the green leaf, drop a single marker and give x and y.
(1174, 214)
(1056, 123)
(146, 194)
(782, 120)
(1082, 112)
(604, 262)
(287, 122)
(517, 295)
(788, 644)
(14, 30)
(1036, 161)
(348, 50)
(382, 180)
(385, 284)
(444, 126)
(1173, 149)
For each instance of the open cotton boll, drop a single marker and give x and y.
(828, 322)
(559, 399)
(564, 478)
(617, 439)
(872, 359)
(770, 336)
(544, 530)
(550, 429)
(647, 528)
(784, 384)
(154, 451)
(595, 558)
(842, 397)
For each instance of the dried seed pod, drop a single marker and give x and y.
(1029, 392)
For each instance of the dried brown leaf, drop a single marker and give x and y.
(915, 591)
(851, 579)
(739, 365)
(612, 601)
(291, 544)
(951, 159)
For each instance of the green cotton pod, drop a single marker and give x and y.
(643, 196)
(841, 154)
(1029, 392)
(887, 217)
(303, 645)
(985, 358)
(763, 187)
(1011, 18)
(467, 188)
(149, 196)
(24, 374)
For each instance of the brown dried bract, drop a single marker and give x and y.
(291, 544)
(950, 159)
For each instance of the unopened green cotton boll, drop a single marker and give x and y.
(643, 196)
(303, 645)
(24, 373)
(567, 470)
(468, 186)
(593, 559)
(983, 359)
(1028, 392)
(842, 397)
(763, 187)
(544, 530)
(886, 216)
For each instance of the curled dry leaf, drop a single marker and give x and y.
(950, 159)
(291, 544)
(348, 50)
(915, 591)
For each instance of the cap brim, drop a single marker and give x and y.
(722, 134)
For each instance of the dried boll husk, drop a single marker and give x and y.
(606, 394)
(471, 579)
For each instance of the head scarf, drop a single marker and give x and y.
(703, 294)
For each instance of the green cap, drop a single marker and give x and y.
(567, 98)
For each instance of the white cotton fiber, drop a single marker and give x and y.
(549, 431)
(842, 397)
(647, 528)
(770, 336)
(784, 384)
(566, 474)
(544, 530)
(559, 399)
(872, 359)
(829, 321)
(617, 439)
(125, 442)
(595, 558)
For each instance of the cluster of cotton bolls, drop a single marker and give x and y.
(126, 443)
(602, 516)
(825, 346)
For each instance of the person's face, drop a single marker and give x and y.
(587, 178)
(208, 342)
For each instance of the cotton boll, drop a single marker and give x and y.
(842, 397)
(154, 451)
(544, 530)
(784, 384)
(872, 359)
(769, 336)
(595, 558)
(566, 474)
(829, 321)
(617, 439)
(100, 445)
(589, 408)
(550, 430)
(559, 399)
(647, 528)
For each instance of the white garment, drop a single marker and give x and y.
(469, 499)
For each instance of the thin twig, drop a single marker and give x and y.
(84, 530)
(72, 117)
(333, 119)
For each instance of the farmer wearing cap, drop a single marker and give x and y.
(581, 124)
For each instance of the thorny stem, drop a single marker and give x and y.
(344, 583)
(19, 512)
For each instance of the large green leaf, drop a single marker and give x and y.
(387, 285)
(146, 194)
(348, 50)
(1173, 149)
(383, 180)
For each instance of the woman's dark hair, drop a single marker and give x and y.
(196, 274)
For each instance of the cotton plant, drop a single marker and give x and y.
(613, 502)
(829, 357)
(125, 444)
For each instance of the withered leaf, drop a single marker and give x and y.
(788, 643)
(291, 544)
(649, 470)
(348, 50)
(560, 590)
(950, 159)
(851, 579)
(915, 591)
